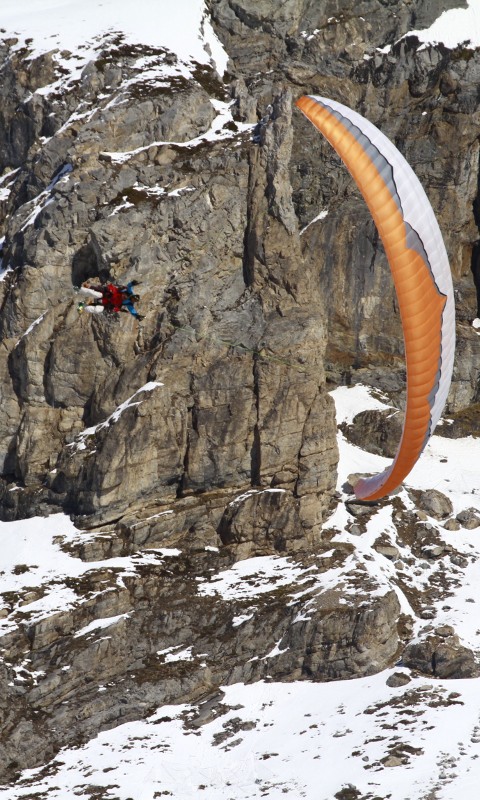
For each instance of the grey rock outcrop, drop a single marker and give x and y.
(376, 431)
(441, 653)
(218, 253)
(469, 518)
(432, 502)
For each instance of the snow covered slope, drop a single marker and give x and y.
(43, 25)
(454, 27)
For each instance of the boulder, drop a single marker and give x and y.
(441, 654)
(432, 502)
(376, 431)
(452, 525)
(469, 518)
(397, 679)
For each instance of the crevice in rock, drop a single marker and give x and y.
(15, 371)
(192, 428)
(358, 313)
(249, 235)
(48, 384)
(255, 453)
(299, 456)
(182, 484)
(85, 265)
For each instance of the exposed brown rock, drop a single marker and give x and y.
(433, 502)
(398, 679)
(441, 654)
(376, 431)
(469, 518)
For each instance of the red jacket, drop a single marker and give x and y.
(112, 297)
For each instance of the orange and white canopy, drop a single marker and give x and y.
(420, 269)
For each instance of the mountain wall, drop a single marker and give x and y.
(148, 433)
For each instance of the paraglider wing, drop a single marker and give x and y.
(420, 269)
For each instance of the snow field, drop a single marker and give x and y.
(298, 740)
(76, 25)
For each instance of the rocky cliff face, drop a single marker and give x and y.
(209, 230)
(208, 427)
